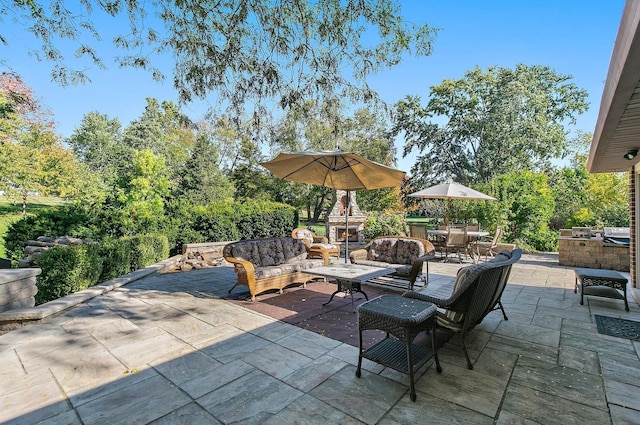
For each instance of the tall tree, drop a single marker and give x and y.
(32, 159)
(201, 181)
(280, 52)
(584, 199)
(97, 142)
(489, 123)
(319, 127)
(165, 130)
(140, 199)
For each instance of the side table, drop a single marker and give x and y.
(601, 283)
(402, 319)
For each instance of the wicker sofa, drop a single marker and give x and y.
(406, 255)
(274, 263)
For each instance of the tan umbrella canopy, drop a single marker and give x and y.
(335, 169)
(451, 190)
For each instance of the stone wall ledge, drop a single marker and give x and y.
(204, 247)
(9, 275)
(39, 312)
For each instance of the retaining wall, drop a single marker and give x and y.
(18, 288)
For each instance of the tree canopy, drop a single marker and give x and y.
(32, 159)
(490, 123)
(250, 52)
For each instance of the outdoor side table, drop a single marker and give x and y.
(601, 283)
(402, 319)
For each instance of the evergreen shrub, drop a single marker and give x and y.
(384, 224)
(67, 269)
(116, 255)
(72, 268)
(62, 221)
(146, 249)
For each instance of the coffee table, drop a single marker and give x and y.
(601, 283)
(349, 277)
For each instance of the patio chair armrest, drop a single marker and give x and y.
(358, 254)
(428, 257)
(317, 252)
(417, 267)
(246, 265)
(440, 302)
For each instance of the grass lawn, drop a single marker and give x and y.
(11, 211)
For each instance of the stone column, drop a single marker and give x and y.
(18, 288)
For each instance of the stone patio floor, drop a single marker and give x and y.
(165, 349)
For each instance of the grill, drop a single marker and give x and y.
(581, 232)
(616, 236)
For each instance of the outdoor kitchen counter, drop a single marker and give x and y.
(592, 253)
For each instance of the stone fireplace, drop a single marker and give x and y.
(337, 230)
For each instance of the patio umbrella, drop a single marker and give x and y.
(335, 169)
(451, 190)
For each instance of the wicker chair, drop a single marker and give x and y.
(315, 242)
(476, 292)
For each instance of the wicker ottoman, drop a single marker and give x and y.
(601, 283)
(403, 319)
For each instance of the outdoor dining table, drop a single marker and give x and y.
(471, 234)
(349, 277)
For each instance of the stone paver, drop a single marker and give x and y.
(167, 349)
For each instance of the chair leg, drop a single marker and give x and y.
(502, 308)
(464, 348)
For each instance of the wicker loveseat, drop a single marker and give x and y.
(406, 255)
(274, 263)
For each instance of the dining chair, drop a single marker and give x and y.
(418, 231)
(439, 241)
(456, 242)
(487, 248)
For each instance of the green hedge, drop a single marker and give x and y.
(185, 223)
(67, 220)
(68, 269)
(228, 221)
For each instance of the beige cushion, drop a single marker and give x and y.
(383, 249)
(305, 234)
(408, 250)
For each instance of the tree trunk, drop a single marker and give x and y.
(24, 203)
(317, 211)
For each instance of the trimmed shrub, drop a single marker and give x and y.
(265, 220)
(116, 256)
(228, 221)
(129, 253)
(63, 221)
(67, 269)
(384, 224)
(146, 250)
(215, 222)
(72, 268)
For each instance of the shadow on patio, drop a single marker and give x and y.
(167, 349)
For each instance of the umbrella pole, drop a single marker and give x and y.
(346, 218)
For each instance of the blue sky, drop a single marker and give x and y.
(572, 37)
